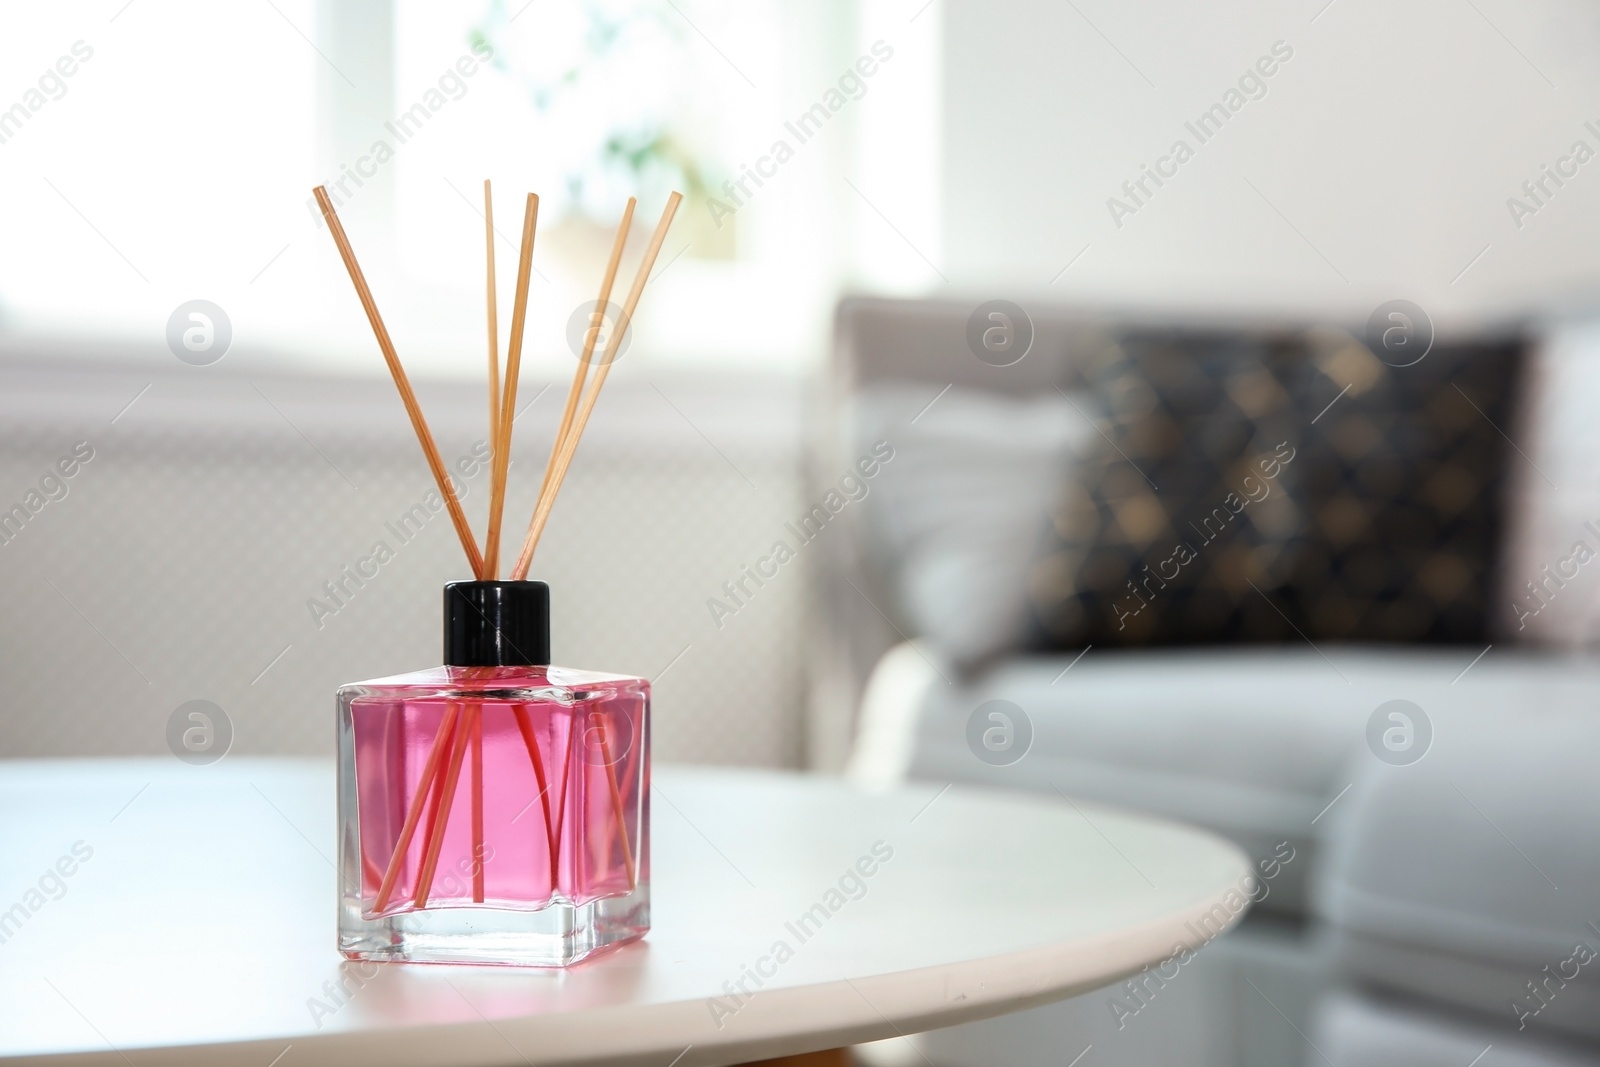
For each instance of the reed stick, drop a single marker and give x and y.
(597, 319)
(430, 769)
(569, 446)
(435, 794)
(441, 817)
(430, 451)
(566, 783)
(477, 807)
(531, 742)
(508, 403)
(616, 800)
(492, 299)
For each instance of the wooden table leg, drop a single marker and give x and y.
(836, 1057)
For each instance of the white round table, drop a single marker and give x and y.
(196, 924)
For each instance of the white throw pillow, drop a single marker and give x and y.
(1550, 576)
(959, 512)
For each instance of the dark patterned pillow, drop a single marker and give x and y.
(1403, 478)
(1257, 488)
(1187, 518)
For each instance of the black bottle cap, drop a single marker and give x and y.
(496, 624)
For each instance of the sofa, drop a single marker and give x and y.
(1410, 910)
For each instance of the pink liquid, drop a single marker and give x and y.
(537, 794)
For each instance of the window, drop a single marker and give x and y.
(175, 163)
(167, 166)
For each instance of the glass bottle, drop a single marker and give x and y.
(495, 809)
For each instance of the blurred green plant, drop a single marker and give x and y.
(642, 155)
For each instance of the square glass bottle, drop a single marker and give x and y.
(495, 809)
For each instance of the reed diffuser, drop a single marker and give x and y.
(496, 809)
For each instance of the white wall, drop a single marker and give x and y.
(1390, 141)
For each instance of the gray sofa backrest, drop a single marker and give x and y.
(878, 340)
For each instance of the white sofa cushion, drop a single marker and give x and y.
(1251, 742)
(1473, 876)
(1356, 1031)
